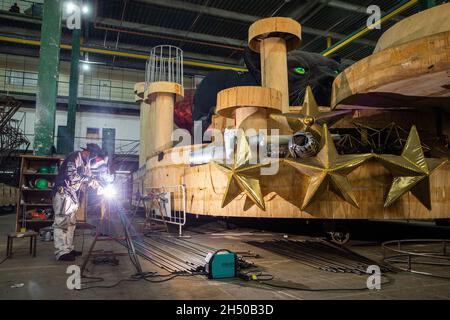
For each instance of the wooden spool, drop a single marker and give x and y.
(251, 105)
(162, 96)
(273, 38)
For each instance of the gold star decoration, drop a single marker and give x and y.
(411, 171)
(328, 171)
(243, 176)
(310, 118)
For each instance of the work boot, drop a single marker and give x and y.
(67, 257)
(76, 253)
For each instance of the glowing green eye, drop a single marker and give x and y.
(300, 70)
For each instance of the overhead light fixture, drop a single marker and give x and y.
(85, 9)
(86, 67)
(70, 7)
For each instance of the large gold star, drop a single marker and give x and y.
(411, 171)
(328, 171)
(243, 176)
(310, 118)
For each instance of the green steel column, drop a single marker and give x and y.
(44, 126)
(73, 89)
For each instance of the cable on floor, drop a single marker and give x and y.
(6, 258)
(299, 287)
(146, 276)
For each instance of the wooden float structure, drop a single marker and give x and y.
(398, 67)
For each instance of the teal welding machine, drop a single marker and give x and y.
(221, 264)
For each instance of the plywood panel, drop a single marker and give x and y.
(284, 192)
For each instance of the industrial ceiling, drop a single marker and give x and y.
(212, 33)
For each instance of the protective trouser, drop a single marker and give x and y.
(65, 222)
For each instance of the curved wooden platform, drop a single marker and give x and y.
(164, 87)
(414, 74)
(284, 193)
(230, 99)
(422, 24)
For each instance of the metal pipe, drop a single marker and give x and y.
(137, 33)
(358, 34)
(121, 54)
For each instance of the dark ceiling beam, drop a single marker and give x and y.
(210, 38)
(35, 34)
(352, 7)
(303, 12)
(146, 50)
(201, 9)
(170, 32)
(225, 14)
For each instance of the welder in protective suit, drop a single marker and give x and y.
(75, 173)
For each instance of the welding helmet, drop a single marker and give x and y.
(97, 156)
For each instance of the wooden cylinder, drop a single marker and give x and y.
(150, 130)
(273, 37)
(251, 118)
(144, 124)
(164, 107)
(161, 97)
(274, 68)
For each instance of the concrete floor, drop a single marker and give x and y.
(44, 278)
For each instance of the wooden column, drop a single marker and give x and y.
(162, 96)
(150, 129)
(250, 106)
(139, 98)
(273, 38)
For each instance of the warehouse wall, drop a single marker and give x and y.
(126, 126)
(18, 74)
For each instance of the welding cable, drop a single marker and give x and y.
(299, 288)
(146, 276)
(6, 258)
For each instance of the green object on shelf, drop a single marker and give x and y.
(44, 170)
(41, 184)
(52, 169)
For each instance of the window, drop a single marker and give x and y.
(20, 78)
(30, 79)
(92, 133)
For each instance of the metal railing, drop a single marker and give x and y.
(122, 146)
(410, 254)
(24, 5)
(17, 81)
(166, 204)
